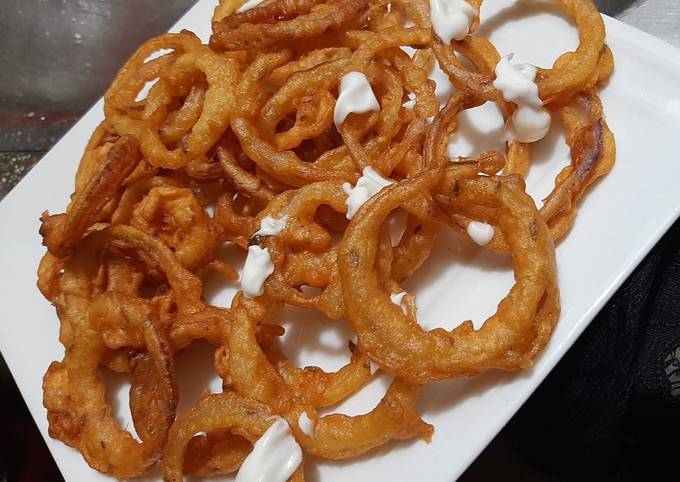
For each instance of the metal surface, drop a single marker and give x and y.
(57, 57)
(660, 18)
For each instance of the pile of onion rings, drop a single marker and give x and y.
(237, 143)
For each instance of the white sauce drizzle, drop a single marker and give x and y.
(451, 19)
(275, 456)
(270, 226)
(356, 96)
(306, 424)
(480, 233)
(368, 185)
(397, 299)
(530, 122)
(257, 268)
(248, 5)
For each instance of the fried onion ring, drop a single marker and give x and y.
(510, 339)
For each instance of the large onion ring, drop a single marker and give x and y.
(510, 339)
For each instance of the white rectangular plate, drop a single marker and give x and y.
(619, 222)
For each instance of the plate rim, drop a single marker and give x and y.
(626, 37)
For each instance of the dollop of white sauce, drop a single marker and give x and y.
(275, 456)
(248, 5)
(355, 96)
(256, 270)
(451, 19)
(480, 233)
(530, 122)
(516, 82)
(397, 298)
(368, 185)
(270, 226)
(306, 424)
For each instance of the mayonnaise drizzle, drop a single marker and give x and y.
(368, 185)
(270, 226)
(451, 19)
(257, 268)
(306, 424)
(397, 299)
(275, 456)
(356, 96)
(480, 233)
(248, 5)
(528, 124)
(530, 121)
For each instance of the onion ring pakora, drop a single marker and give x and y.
(212, 154)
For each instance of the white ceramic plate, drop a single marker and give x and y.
(619, 223)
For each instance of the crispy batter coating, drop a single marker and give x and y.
(202, 145)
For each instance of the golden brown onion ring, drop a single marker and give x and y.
(62, 232)
(251, 374)
(218, 412)
(251, 29)
(510, 339)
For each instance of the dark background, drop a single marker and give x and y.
(609, 410)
